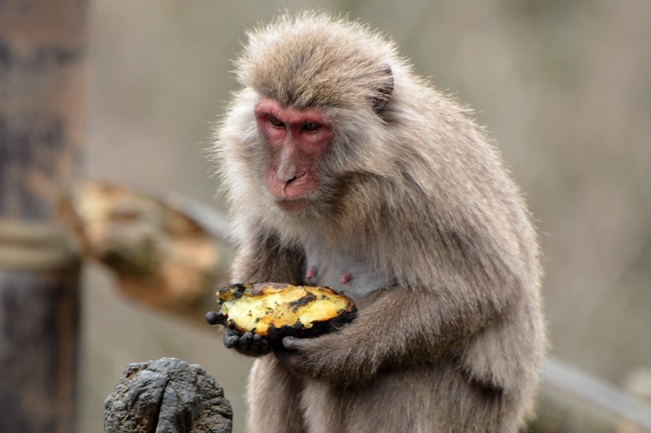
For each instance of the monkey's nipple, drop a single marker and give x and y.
(311, 273)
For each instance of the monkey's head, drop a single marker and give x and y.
(314, 87)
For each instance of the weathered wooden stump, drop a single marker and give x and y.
(165, 396)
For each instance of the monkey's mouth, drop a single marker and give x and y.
(293, 205)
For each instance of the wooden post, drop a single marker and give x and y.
(42, 84)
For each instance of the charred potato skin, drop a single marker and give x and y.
(228, 295)
(318, 327)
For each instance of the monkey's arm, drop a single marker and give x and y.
(261, 258)
(404, 327)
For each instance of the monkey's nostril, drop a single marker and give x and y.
(294, 178)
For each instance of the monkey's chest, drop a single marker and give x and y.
(341, 271)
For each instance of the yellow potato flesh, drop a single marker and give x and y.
(294, 306)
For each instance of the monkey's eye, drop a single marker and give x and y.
(311, 126)
(275, 121)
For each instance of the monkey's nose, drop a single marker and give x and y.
(288, 177)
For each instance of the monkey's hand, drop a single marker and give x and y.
(249, 344)
(323, 358)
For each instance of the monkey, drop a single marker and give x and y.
(342, 167)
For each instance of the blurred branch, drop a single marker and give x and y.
(571, 400)
(166, 251)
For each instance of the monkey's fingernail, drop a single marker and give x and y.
(346, 277)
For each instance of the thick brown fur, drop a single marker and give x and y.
(415, 200)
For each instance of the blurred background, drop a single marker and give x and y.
(563, 86)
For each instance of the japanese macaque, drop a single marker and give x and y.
(344, 168)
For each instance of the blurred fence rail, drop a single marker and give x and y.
(573, 401)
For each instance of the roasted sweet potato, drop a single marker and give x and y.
(278, 310)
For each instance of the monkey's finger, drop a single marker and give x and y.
(292, 343)
(245, 341)
(231, 338)
(259, 344)
(214, 318)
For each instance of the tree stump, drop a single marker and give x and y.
(165, 396)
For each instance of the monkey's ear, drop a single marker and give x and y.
(383, 93)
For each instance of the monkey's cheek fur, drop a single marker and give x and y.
(274, 311)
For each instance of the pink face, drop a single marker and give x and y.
(296, 140)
